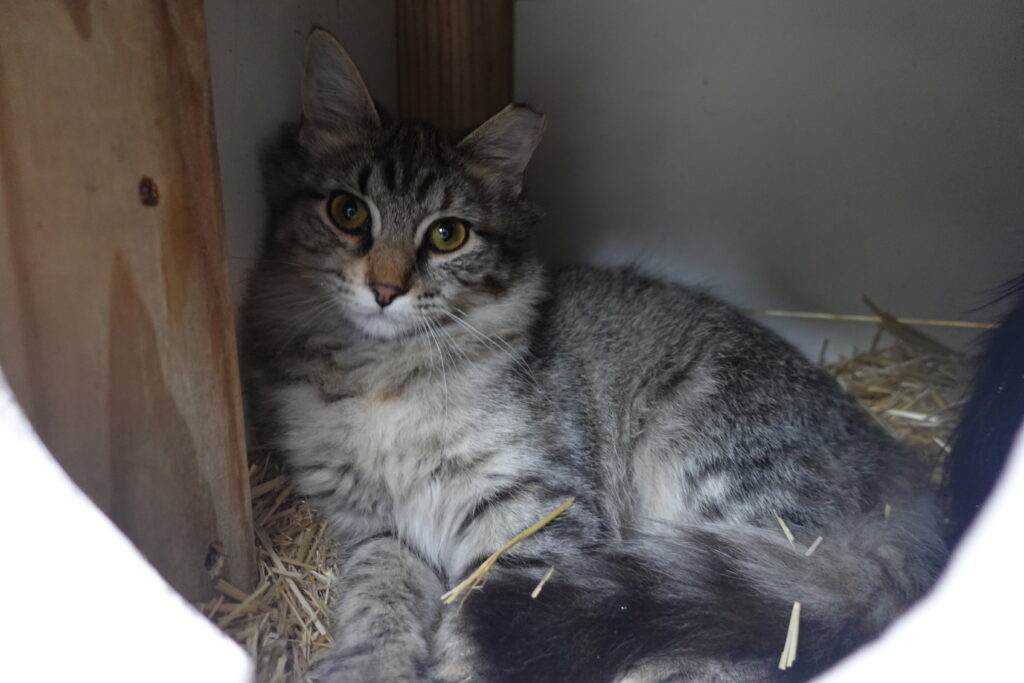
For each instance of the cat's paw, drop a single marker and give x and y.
(454, 654)
(379, 665)
(451, 666)
(450, 672)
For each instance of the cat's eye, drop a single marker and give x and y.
(348, 212)
(447, 234)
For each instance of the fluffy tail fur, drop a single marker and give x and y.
(710, 602)
(991, 418)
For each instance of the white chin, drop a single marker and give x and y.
(384, 324)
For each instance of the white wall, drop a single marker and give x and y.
(256, 54)
(791, 154)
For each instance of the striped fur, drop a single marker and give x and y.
(432, 430)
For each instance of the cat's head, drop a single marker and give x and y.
(388, 225)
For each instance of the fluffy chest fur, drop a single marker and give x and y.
(410, 449)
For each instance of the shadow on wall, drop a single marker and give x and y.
(789, 155)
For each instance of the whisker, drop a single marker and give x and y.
(507, 349)
(421, 328)
(495, 337)
(440, 354)
(453, 344)
(444, 379)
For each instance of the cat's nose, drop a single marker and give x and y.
(385, 292)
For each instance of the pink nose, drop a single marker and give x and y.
(385, 292)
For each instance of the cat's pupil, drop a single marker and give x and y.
(350, 209)
(444, 231)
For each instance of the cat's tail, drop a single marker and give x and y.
(706, 593)
(991, 418)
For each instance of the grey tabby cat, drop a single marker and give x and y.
(434, 390)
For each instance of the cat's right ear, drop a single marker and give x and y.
(335, 102)
(502, 145)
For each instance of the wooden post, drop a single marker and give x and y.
(455, 60)
(116, 328)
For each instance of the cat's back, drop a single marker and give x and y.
(707, 398)
(622, 302)
(635, 336)
(632, 321)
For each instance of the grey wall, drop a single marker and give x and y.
(256, 53)
(788, 153)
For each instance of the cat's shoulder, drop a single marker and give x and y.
(628, 308)
(628, 290)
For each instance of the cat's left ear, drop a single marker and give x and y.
(335, 101)
(502, 145)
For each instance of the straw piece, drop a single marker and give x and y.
(267, 486)
(317, 540)
(268, 548)
(305, 540)
(478, 574)
(229, 590)
(296, 563)
(814, 546)
(875, 340)
(547, 575)
(247, 605)
(211, 609)
(792, 638)
(900, 330)
(910, 415)
(281, 497)
(305, 605)
(868, 318)
(785, 529)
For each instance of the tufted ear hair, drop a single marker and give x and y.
(502, 145)
(335, 101)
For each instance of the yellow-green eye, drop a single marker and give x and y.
(348, 212)
(447, 234)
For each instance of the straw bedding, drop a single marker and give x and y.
(913, 389)
(285, 622)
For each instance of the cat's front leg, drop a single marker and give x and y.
(387, 602)
(454, 657)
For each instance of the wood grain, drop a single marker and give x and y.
(455, 60)
(116, 329)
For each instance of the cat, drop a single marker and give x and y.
(435, 390)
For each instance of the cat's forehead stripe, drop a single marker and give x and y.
(389, 173)
(425, 185)
(364, 179)
(413, 159)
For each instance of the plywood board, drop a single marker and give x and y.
(116, 328)
(455, 60)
